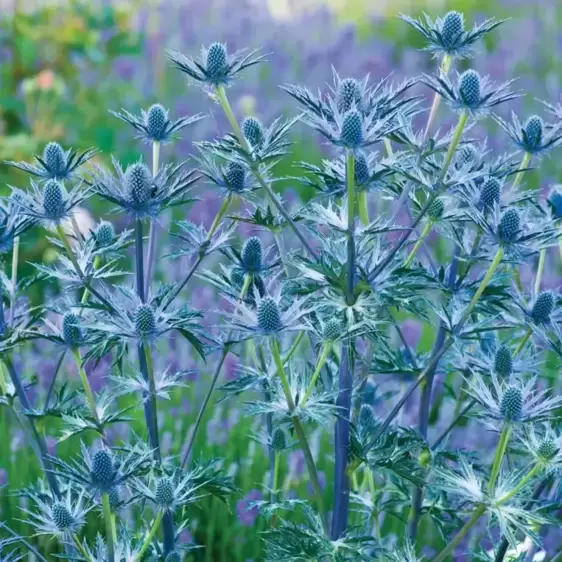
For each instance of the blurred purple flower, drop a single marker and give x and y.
(246, 514)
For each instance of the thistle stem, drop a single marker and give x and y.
(293, 347)
(150, 536)
(523, 341)
(275, 475)
(418, 243)
(86, 384)
(445, 67)
(350, 181)
(81, 548)
(107, 515)
(139, 259)
(311, 385)
(498, 458)
(363, 204)
(64, 239)
(150, 255)
(524, 163)
(478, 512)
(205, 403)
(15, 259)
(225, 104)
(461, 124)
(540, 270)
(301, 436)
(521, 484)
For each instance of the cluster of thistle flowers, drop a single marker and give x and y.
(320, 318)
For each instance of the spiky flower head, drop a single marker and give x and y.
(104, 234)
(164, 493)
(62, 517)
(71, 331)
(509, 226)
(351, 134)
(235, 177)
(55, 159)
(533, 130)
(216, 61)
(253, 131)
(452, 27)
(436, 209)
(269, 316)
(279, 440)
(145, 322)
(53, 200)
(156, 120)
(542, 308)
(366, 416)
(348, 95)
(103, 471)
(490, 193)
(332, 330)
(503, 361)
(466, 156)
(470, 88)
(252, 254)
(138, 181)
(547, 449)
(362, 171)
(173, 556)
(511, 405)
(555, 202)
(114, 498)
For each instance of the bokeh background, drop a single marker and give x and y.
(65, 64)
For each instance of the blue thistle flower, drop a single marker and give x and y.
(253, 132)
(332, 331)
(555, 202)
(348, 95)
(362, 171)
(534, 128)
(279, 440)
(542, 308)
(138, 181)
(164, 494)
(252, 254)
(490, 193)
(351, 133)
(452, 27)
(103, 472)
(269, 316)
(509, 226)
(470, 88)
(547, 449)
(53, 200)
(55, 159)
(436, 209)
(235, 177)
(216, 66)
(511, 405)
(104, 234)
(145, 322)
(173, 556)
(503, 362)
(71, 331)
(62, 517)
(156, 120)
(114, 498)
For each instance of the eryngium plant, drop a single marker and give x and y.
(316, 321)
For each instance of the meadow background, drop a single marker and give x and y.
(64, 65)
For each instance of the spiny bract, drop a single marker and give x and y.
(156, 119)
(351, 135)
(145, 321)
(269, 316)
(55, 159)
(465, 156)
(503, 362)
(452, 26)
(164, 494)
(253, 132)
(542, 308)
(252, 254)
(509, 226)
(348, 95)
(71, 332)
(138, 182)
(470, 88)
(511, 405)
(53, 199)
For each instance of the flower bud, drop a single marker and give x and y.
(509, 226)
(71, 332)
(235, 177)
(55, 159)
(332, 330)
(490, 193)
(436, 209)
(269, 316)
(470, 88)
(253, 132)
(53, 200)
(511, 405)
(452, 26)
(216, 63)
(102, 468)
(543, 307)
(503, 362)
(164, 494)
(351, 134)
(62, 517)
(279, 440)
(348, 95)
(145, 321)
(156, 119)
(252, 254)
(362, 172)
(533, 129)
(138, 182)
(105, 234)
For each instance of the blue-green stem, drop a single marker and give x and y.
(498, 457)
(537, 469)
(150, 255)
(445, 67)
(81, 548)
(13, 296)
(275, 486)
(524, 163)
(540, 270)
(523, 341)
(418, 243)
(149, 537)
(227, 109)
(218, 368)
(86, 384)
(301, 436)
(109, 536)
(312, 384)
